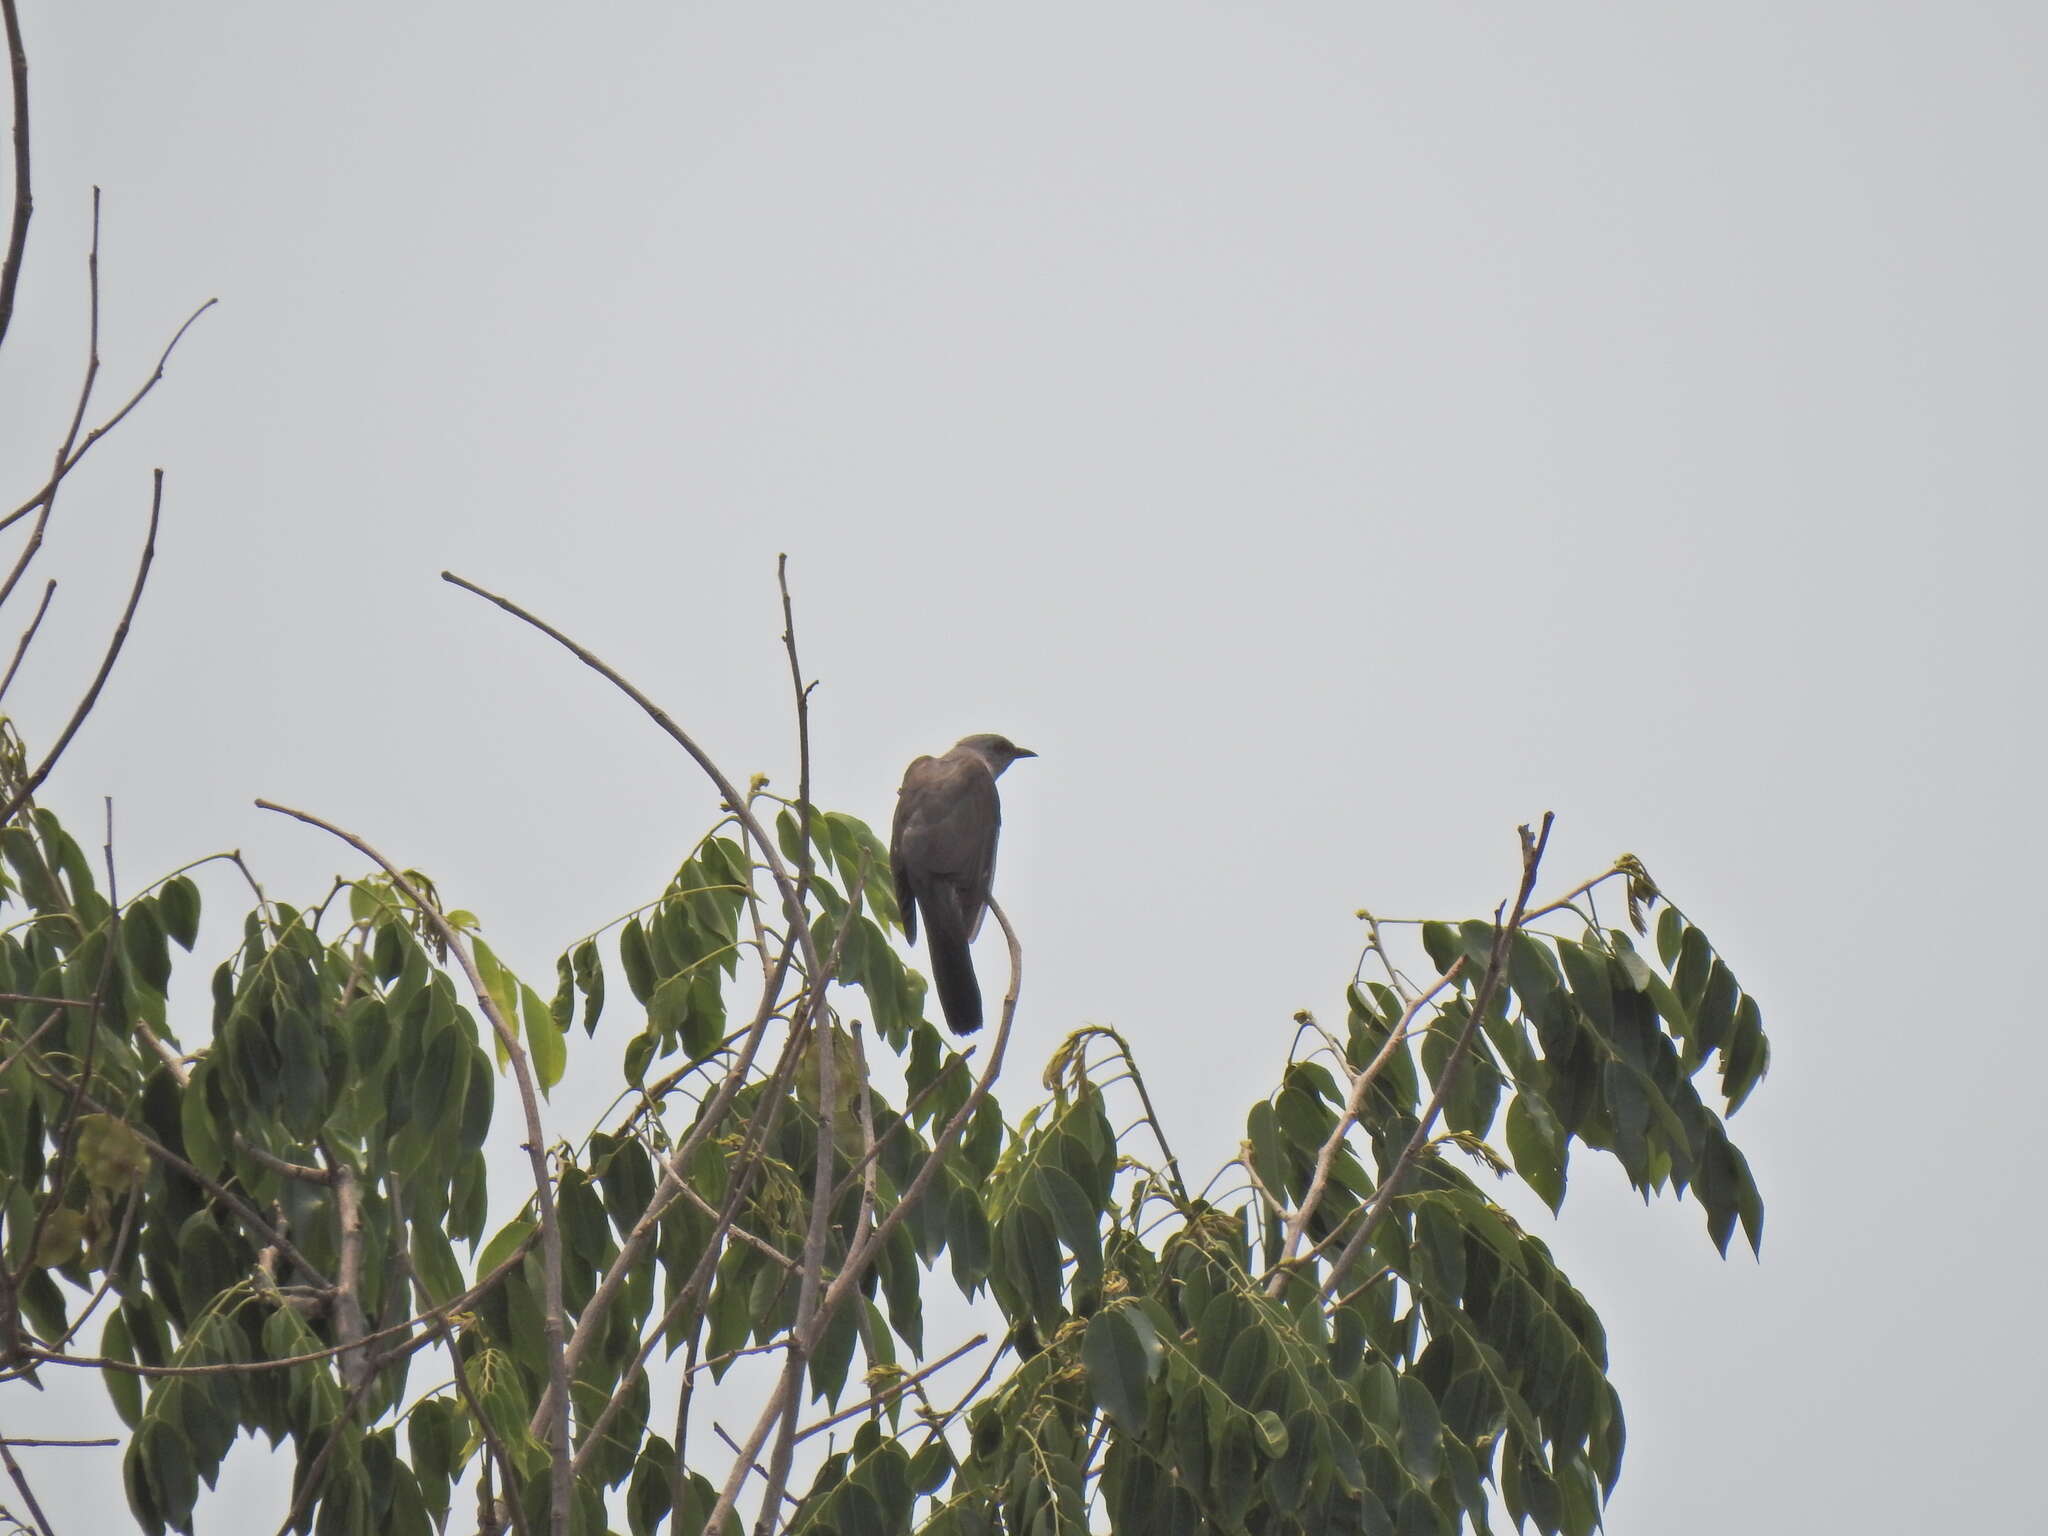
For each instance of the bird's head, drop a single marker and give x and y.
(997, 751)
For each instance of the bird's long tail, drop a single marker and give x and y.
(952, 966)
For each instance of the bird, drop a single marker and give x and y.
(942, 851)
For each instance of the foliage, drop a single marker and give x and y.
(1172, 1366)
(264, 1202)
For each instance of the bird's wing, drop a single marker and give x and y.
(906, 804)
(947, 819)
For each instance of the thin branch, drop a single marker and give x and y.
(41, 1029)
(536, 1151)
(1354, 1105)
(803, 732)
(513, 1503)
(858, 1260)
(1584, 888)
(810, 1279)
(129, 1211)
(1144, 1098)
(6, 1451)
(309, 1483)
(277, 1165)
(754, 1145)
(792, 906)
(24, 202)
(69, 459)
(589, 1323)
(92, 694)
(47, 1444)
(21, 649)
(1496, 966)
(894, 1390)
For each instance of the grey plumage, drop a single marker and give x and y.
(942, 851)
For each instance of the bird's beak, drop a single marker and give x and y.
(1025, 752)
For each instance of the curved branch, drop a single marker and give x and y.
(791, 902)
(24, 202)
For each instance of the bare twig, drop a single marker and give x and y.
(47, 1444)
(894, 1389)
(562, 1491)
(411, 1343)
(1482, 999)
(41, 1029)
(792, 906)
(129, 1212)
(24, 202)
(69, 459)
(21, 649)
(277, 1165)
(14, 1471)
(92, 694)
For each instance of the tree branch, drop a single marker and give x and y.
(536, 1152)
(792, 905)
(893, 1390)
(1354, 1105)
(14, 1471)
(858, 1260)
(92, 694)
(21, 649)
(1496, 966)
(24, 201)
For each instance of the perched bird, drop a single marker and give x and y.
(942, 851)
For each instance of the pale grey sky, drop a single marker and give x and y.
(1330, 434)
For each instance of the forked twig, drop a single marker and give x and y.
(1482, 999)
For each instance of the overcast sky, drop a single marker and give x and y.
(1329, 433)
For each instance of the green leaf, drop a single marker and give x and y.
(562, 1006)
(1262, 1128)
(1422, 1431)
(1670, 935)
(178, 905)
(1747, 1055)
(1118, 1367)
(1715, 1013)
(435, 1261)
(547, 1045)
(124, 1389)
(650, 1496)
(589, 973)
(1078, 1223)
(638, 960)
(504, 1245)
(1272, 1432)
(142, 939)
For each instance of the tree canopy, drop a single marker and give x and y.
(262, 1204)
